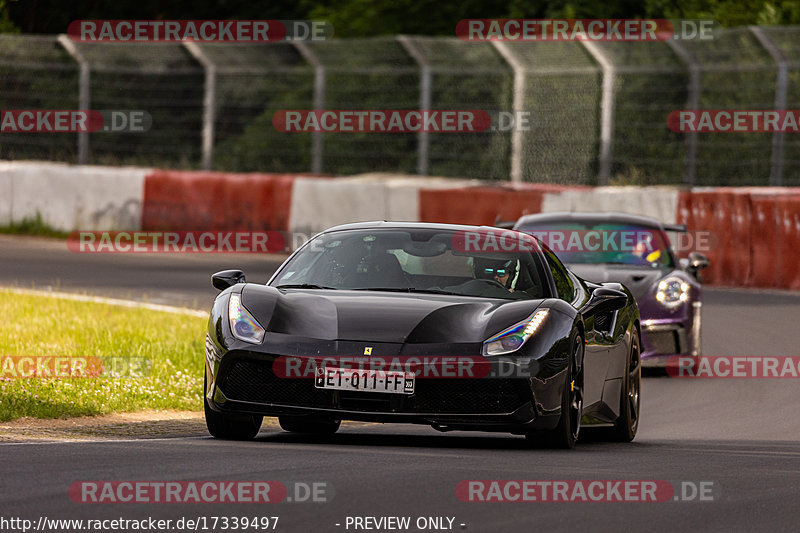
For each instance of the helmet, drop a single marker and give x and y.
(486, 268)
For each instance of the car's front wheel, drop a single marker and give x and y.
(229, 426)
(565, 434)
(309, 425)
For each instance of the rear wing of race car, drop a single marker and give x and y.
(680, 228)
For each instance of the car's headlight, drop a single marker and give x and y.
(511, 339)
(244, 326)
(672, 292)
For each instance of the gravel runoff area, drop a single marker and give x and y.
(139, 425)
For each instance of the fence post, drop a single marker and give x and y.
(425, 87)
(209, 99)
(781, 82)
(319, 102)
(606, 110)
(84, 94)
(693, 102)
(517, 152)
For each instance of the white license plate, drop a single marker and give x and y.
(364, 380)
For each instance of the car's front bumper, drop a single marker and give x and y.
(665, 338)
(243, 382)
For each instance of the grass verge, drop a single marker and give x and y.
(33, 226)
(46, 327)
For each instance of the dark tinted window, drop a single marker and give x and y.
(422, 260)
(564, 286)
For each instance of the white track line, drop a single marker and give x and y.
(109, 301)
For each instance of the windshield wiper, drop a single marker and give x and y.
(407, 289)
(304, 286)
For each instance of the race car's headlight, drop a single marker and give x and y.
(511, 339)
(672, 292)
(243, 325)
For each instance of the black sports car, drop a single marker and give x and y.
(456, 327)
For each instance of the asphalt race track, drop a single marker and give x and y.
(742, 435)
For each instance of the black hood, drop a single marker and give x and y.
(382, 316)
(639, 279)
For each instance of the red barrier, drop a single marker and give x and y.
(726, 214)
(788, 221)
(701, 207)
(684, 214)
(183, 200)
(765, 244)
(734, 237)
(483, 205)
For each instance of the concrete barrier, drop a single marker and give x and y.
(70, 197)
(5, 197)
(656, 202)
(318, 204)
(757, 230)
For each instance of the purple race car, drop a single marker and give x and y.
(635, 251)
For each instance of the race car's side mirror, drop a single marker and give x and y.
(604, 300)
(227, 278)
(694, 264)
(698, 261)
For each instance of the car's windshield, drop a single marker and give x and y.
(604, 242)
(412, 260)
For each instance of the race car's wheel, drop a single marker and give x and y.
(565, 434)
(309, 425)
(630, 401)
(228, 426)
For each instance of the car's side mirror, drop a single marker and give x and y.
(604, 300)
(227, 278)
(698, 261)
(694, 264)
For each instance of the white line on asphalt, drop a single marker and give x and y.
(109, 301)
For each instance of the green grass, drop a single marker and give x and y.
(49, 326)
(33, 226)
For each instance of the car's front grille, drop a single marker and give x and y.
(664, 342)
(253, 381)
(470, 395)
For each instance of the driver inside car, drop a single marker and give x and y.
(504, 272)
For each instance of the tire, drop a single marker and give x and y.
(230, 427)
(565, 434)
(627, 424)
(309, 425)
